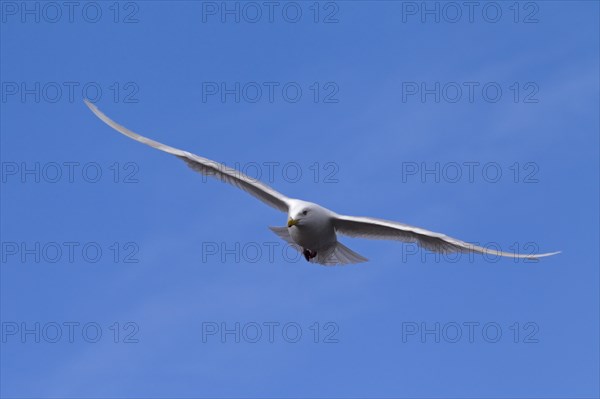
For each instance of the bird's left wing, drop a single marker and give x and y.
(205, 166)
(366, 227)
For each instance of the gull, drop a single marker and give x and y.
(312, 229)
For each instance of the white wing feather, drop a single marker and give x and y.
(380, 229)
(206, 166)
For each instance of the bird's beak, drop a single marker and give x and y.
(292, 222)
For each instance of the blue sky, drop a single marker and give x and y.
(168, 275)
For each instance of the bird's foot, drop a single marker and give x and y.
(308, 254)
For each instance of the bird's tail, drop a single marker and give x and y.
(339, 254)
(342, 255)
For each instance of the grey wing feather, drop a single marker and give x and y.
(366, 227)
(206, 166)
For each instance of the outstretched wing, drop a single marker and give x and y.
(205, 166)
(380, 229)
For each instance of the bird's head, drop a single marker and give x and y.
(298, 217)
(304, 213)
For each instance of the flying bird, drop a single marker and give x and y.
(312, 229)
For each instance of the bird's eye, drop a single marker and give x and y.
(304, 212)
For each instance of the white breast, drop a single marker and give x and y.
(315, 237)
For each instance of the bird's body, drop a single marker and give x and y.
(312, 229)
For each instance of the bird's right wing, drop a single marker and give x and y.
(379, 229)
(205, 166)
